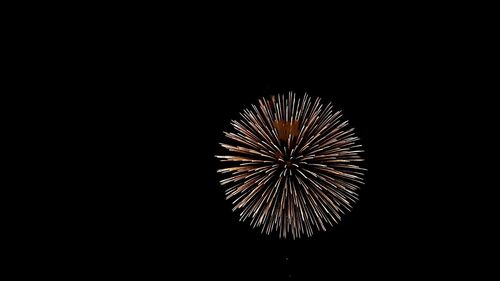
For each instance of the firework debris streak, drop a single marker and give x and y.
(292, 166)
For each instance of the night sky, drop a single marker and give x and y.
(168, 212)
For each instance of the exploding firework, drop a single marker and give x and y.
(293, 165)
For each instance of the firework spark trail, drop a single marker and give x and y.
(293, 166)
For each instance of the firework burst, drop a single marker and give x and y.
(293, 165)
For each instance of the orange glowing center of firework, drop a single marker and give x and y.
(286, 129)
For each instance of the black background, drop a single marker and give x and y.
(163, 212)
(137, 103)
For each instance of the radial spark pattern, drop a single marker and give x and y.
(293, 165)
